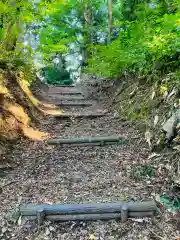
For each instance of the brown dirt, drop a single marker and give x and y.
(66, 174)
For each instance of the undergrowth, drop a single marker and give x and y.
(149, 45)
(144, 60)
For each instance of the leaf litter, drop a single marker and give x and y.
(67, 174)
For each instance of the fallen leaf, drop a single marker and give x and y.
(163, 89)
(47, 232)
(148, 137)
(153, 95)
(139, 220)
(4, 229)
(91, 236)
(166, 94)
(19, 221)
(172, 93)
(153, 155)
(176, 148)
(156, 118)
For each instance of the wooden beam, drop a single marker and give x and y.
(64, 86)
(80, 115)
(66, 93)
(97, 144)
(66, 97)
(64, 90)
(93, 217)
(74, 104)
(87, 208)
(100, 140)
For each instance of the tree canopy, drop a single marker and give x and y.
(110, 36)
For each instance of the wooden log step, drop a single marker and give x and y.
(57, 91)
(91, 217)
(66, 97)
(65, 86)
(71, 93)
(100, 140)
(64, 90)
(96, 144)
(80, 115)
(74, 103)
(87, 208)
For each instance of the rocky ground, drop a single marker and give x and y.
(40, 173)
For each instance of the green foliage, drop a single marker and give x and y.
(67, 24)
(171, 204)
(150, 42)
(17, 18)
(144, 172)
(54, 76)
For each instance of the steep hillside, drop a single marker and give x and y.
(147, 105)
(20, 110)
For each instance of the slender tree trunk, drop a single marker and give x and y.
(12, 32)
(109, 20)
(87, 31)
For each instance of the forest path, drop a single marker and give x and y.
(73, 174)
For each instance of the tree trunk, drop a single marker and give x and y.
(87, 31)
(109, 20)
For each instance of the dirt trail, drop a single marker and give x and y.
(67, 174)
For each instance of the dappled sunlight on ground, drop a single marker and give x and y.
(24, 85)
(34, 134)
(52, 112)
(45, 108)
(17, 111)
(15, 120)
(9, 127)
(17, 123)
